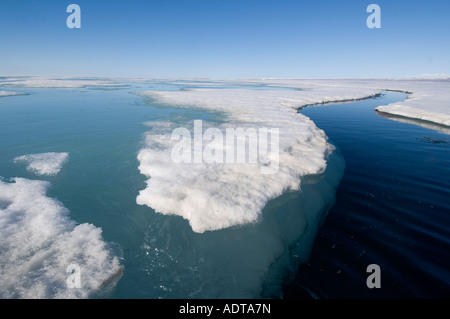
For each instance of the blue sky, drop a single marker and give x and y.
(225, 39)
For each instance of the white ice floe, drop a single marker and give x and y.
(40, 245)
(433, 76)
(9, 93)
(55, 82)
(43, 163)
(429, 101)
(212, 196)
(236, 193)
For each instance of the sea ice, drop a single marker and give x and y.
(429, 101)
(220, 195)
(43, 163)
(428, 95)
(39, 242)
(53, 82)
(9, 93)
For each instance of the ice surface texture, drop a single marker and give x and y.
(215, 196)
(39, 241)
(43, 163)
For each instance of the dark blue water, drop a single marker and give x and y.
(392, 209)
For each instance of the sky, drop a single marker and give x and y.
(224, 39)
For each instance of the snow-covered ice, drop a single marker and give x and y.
(220, 195)
(429, 101)
(39, 242)
(178, 188)
(44, 163)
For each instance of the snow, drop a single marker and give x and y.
(44, 163)
(429, 100)
(236, 192)
(39, 242)
(176, 188)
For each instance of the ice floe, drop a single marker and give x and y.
(213, 196)
(43, 250)
(44, 163)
